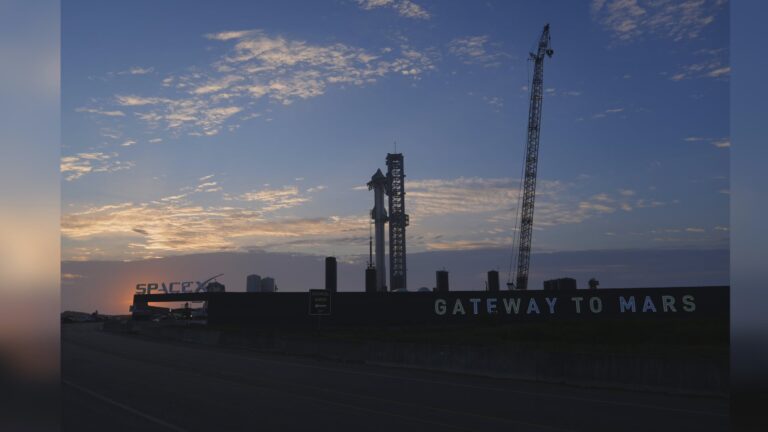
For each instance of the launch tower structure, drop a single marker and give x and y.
(398, 220)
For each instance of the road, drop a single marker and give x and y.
(115, 382)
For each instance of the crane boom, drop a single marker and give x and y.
(531, 159)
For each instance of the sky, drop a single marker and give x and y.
(197, 127)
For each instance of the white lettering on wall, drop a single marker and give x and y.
(688, 304)
(474, 302)
(551, 303)
(668, 303)
(532, 306)
(511, 304)
(490, 306)
(648, 305)
(595, 305)
(440, 307)
(577, 301)
(625, 304)
(458, 308)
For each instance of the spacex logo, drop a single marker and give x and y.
(174, 287)
(170, 288)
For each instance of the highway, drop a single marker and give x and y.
(114, 382)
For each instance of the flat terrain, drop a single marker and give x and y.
(123, 383)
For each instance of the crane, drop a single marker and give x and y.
(531, 159)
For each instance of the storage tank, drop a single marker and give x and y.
(493, 281)
(330, 274)
(267, 284)
(370, 280)
(442, 280)
(253, 283)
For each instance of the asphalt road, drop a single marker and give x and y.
(123, 383)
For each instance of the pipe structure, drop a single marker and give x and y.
(378, 184)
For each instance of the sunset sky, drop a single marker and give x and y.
(254, 125)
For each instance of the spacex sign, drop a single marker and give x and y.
(185, 287)
(170, 287)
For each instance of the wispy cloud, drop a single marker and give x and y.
(628, 20)
(557, 203)
(274, 199)
(113, 113)
(75, 166)
(172, 227)
(405, 8)
(476, 50)
(608, 112)
(713, 64)
(137, 70)
(259, 68)
(715, 142)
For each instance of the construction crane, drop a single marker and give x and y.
(531, 159)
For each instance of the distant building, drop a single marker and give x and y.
(593, 283)
(562, 284)
(253, 283)
(441, 277)
(493, 281)
(330, 274)
(268, 285)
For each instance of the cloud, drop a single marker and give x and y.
(497, 199)
(217, 85)
(168, 228)
(494, 101)
(156, 140)
(627, 192)
(128, 143)
(75, 166)
(316, 189)
(114, 113)
(695, 230)
(715, 142)
(713, 64)
(208, 187)
(629, 20)
(257, 68)
(228, 35)
(607, 112)
(721, 71)
(274, 199)
(405, 8)
(132, 100)
(137, 70)
(475, 50)
(465, 245)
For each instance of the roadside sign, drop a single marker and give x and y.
(319, 302)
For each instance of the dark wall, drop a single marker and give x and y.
(291, 310)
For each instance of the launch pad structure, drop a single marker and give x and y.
(393, 185)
